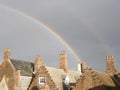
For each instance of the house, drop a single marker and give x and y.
(24, 75)
(95, 80)
(8, 71)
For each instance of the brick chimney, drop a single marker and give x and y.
(7, 53)
(110, 65)
(37, 63)
(63, 61)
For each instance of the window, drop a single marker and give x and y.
(41, 80)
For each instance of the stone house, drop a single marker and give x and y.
(94, 80)
(24, 75)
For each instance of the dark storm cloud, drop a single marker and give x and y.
(90, 27)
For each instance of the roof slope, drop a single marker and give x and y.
(58, 75)
(94, 79)
(25, 67)
(106, 79)
(74, 76)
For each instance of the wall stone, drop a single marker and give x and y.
(49, 84)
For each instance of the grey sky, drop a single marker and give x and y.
(91, 27)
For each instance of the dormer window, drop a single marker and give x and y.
(41, 80)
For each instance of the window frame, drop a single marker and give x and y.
(42, 80)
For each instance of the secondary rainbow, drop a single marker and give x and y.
(41, 24)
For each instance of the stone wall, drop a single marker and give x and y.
(41, 71)
(8, 71)
(11, 75)
(48, 85)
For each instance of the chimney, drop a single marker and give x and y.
(37, 64)
(110, 65)
(7, 53)
(79, 66)
(63, 61)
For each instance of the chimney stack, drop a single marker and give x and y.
(110, 65)
(7, 53)
(63, 61)
(38, 63)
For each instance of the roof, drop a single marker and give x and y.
(73, 75)
(58, 75)
(105, 78)
(25, 67)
